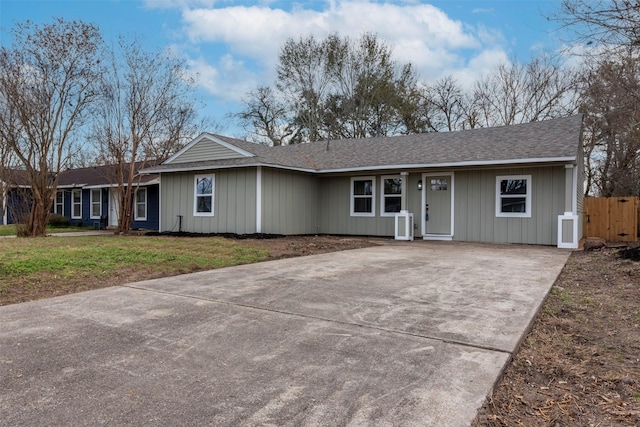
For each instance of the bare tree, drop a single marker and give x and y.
(444, 105)
(610, 91)
(519, 93)
(265, 118)
(610, 102)
(303, 79)
(611, 22)
(146, 113)
(368, 88)
(46, 85)
(332, 88)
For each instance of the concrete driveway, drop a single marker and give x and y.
(405, 334)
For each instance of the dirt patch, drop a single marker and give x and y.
(580, 364)
(293, 246)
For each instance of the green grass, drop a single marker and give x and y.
(61, 262)
(10, 230)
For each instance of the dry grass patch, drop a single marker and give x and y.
(43, 267)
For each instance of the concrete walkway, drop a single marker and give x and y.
(408, 334)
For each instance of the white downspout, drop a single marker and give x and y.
(403, 191)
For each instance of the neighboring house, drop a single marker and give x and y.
(10, 197)
(511, 184)
(88, 197)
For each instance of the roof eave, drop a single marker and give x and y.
(217, 167)
(471, 163)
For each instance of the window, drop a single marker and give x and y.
(203, 197)
(76, 203)
(141, 205)
(58, 203)
(362, 196)
(96, 203)
(391, 195)
(513, 196)
(439, 184)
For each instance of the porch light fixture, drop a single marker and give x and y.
(420, 185)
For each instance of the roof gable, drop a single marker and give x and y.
(208, 147)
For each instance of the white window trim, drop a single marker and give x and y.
(373, 195)
(527, 196)
(146, 195)
(195, 194)
(91, 202)
(384, 196)
(56, 204)
(74, 191)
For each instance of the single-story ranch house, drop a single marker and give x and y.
(510, 184)
(89, 197)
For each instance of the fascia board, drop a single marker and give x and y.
(74, 185)
(218, 167)
(371, 168)
(101, 186)
(452, 164)
(135, 184)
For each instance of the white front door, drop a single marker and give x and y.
(437, 214)
(114, 207)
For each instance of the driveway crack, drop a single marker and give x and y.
(324, 319)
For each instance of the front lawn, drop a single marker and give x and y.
(42, 267)
(10, 230)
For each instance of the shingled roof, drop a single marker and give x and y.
(556, 140)
(98, 176)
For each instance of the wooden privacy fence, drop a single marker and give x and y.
(611, 218)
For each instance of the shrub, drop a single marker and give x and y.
(57, 220)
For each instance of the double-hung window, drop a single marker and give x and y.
(76, 203)
(141, 205)
(513, 196)
(58, 203)
(391, 195)
(95, 197)
(204, 186)
(363, 190)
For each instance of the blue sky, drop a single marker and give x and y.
(233, 45)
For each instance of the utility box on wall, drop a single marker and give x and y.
(404, 226)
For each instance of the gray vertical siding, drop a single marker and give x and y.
(301, 203)
(206, 150)
(234, 202)
(289, 202)
(334, 209)
(474, 205)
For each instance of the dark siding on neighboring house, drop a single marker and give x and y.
(153, 210)
(86, 209)
(15, 200)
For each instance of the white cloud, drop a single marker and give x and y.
(228, 79)
(478, 66)
(419, 33)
